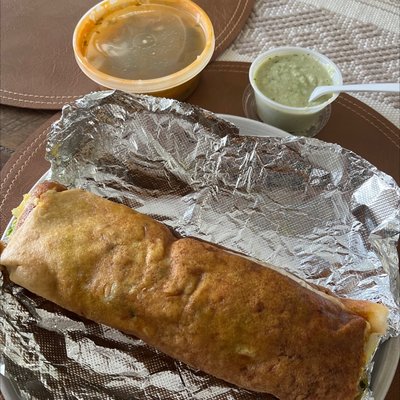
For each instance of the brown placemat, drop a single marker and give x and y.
(353, 125)
(38, 68)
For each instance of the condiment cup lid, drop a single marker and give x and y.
(330, 66)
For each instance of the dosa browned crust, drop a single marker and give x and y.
(227, 315)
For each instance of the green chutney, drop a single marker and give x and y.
(290, 79)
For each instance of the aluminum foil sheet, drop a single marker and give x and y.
(313, 208)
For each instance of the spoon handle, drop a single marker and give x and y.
(367, 87)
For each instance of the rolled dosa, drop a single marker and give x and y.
(247, 323)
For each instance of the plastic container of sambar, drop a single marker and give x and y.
(156, 47)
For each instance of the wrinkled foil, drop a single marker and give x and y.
(312, 208)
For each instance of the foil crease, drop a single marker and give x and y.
(312, 208)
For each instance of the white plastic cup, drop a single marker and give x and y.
(296, 120)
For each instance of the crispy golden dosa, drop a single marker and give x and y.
(227, 315)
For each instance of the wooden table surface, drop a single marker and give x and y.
(16, 125)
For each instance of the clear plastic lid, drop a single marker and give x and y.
(143, 46)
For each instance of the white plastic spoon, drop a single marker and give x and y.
(367, 87)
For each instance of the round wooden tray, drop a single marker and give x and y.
(352, 125)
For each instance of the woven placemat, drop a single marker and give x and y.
(353, 125)
(360, 36)
(38, 68)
